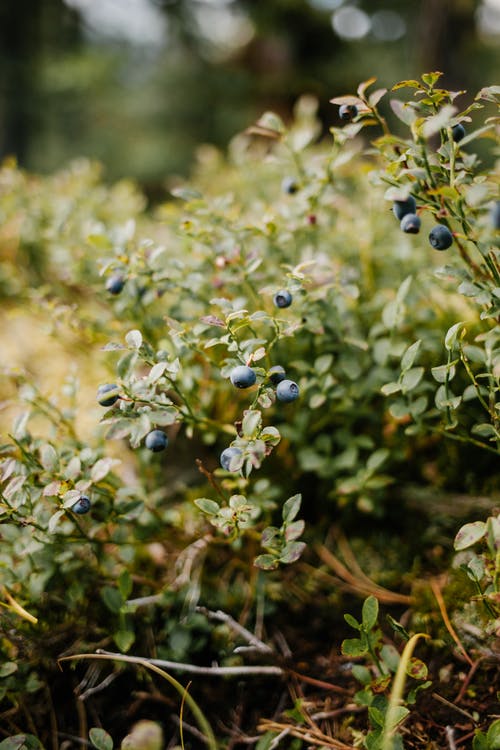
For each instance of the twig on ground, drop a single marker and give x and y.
(306, 734)
(97, 688)
(450, 736)
(214, 671)
(249, 637)
(452, 705)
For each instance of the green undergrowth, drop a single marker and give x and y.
(370, 494)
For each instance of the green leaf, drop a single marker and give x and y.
(485, 430)
(411, 378)
(21, 742)
(251, 423)
(102, 467)
(125, 584)
(361, 674)
(417, 669)
(376, 459)
(480, 741)
(493, 735)
(410, 355)
(266, 562)
(271, 121)
(350, 620)
(369, 612)
(48, 457)
(210, 507)
(112, 599)
(134, 339)
(124, 639)
(443, 373)
(469, 535)
(323, 363)
(452, 335)
(410, 84)
(390, 656)
(398, 628)
(157, 371)
(100, 739)
(291, 508)
(54, 520)
(294, 530)
(431, 78)
(437, 122)
(445, 399)
(354, 647)
(389, 388)
(7, 668)
(399, 713)
(291, 552)
(403, 112)
(377, 717)
(186, 193)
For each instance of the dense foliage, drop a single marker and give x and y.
(283, 393)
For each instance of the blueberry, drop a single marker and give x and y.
(458, 132)
(107, 394)
(410, 223)
(495, 215)
(347, 111)
(283, 298)
(115, 284)
(156, 441)
(276, 374)
(227, 456)
(82, 505)
(287, 390)
(401, 208)
(242, 376)
(289, 185)
(440, 237)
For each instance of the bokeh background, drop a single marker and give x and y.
(137, 84)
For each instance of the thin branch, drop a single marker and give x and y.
(452, 705)
(249, 637)
(450, 736)
(97, 688)
(320, 683)
(214, 671)
(304, 733)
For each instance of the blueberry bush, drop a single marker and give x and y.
(243, 411)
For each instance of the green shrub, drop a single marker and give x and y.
(396, 358)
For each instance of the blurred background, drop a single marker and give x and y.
(137, 84)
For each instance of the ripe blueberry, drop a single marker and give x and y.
(347, 111)
(156, 441)
(115, 284)
(242, 376)
(107, 394)
(283, 298)
(289, 185)
(440, 237)
(401, 208)
(82, 505)
(287, 390)
(410, 223)
(276, 374)
(458, 132)
(227, 455)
